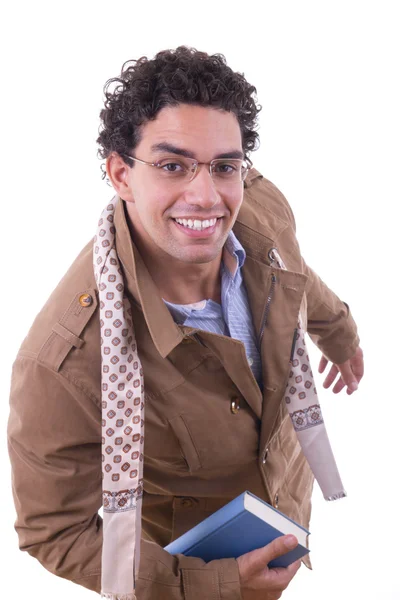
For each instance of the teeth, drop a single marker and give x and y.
(196, 224)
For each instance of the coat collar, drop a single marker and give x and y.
(163, 330)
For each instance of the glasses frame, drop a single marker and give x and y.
(195, 165)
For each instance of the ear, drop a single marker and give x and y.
(118, 173)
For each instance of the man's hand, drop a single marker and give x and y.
(257, 581)
(351, 373)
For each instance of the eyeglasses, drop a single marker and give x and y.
(182, 169)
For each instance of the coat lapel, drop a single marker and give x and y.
(276, 346)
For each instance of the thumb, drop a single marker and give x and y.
(278, 547)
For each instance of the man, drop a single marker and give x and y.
(204, 330)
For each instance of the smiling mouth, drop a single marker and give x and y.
(197, 224)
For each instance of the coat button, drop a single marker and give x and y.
(264, 458)
(187, 340)
(186, 502)
(276, 501)
(85, 300)
(235, 406)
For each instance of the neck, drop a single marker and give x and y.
(187, 283)
(179, 282)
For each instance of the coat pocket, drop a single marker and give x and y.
(188, 448)
(214, 443)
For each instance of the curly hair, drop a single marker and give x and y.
(185, 76)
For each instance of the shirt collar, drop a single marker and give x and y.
(234, 254)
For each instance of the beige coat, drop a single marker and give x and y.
(209, 431)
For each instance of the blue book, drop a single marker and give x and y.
(242, 525)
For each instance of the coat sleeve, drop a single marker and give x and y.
(329, 323)
(54, 442)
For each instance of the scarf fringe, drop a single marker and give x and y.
(130, 596)
(337, 496)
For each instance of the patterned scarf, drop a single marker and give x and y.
(305, 411)
(123, 419)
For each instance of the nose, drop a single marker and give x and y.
(201, 191)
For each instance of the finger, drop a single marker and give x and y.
(339, 385)
(278, 578)
(259, 559)
(322, 364)
(293, 568)
(331, 376)
(289, 571)
(357, 366)
(348, 377)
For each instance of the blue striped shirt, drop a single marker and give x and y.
(233, 316)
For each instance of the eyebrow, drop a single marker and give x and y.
(165, 147)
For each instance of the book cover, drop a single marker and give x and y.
(242, 525)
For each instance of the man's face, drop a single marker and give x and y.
(154, 204)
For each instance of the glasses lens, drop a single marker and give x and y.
(230, 169)
(174, 168)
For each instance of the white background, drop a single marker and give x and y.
(327, 75)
